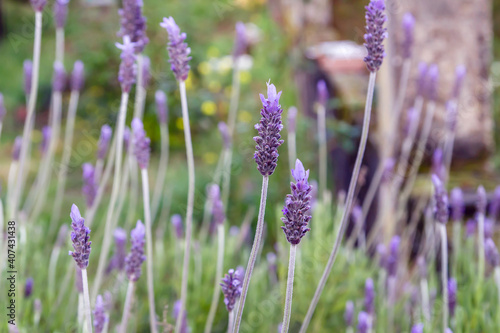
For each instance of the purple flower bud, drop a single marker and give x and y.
(217, 206)
(491, 253)
(422, 267)
(44, 144)
(231, 288)
(269, 127)
(28, 287)
(59, 77)
(382, 255)
(452, 296)
(161, 106)
(292, 119)
(224, 131)
(100, 317)
(363, 322)
(460, 73)
(133, 24)
(409, 38)
(146, 72)
(482, 200)
(128, 68)
(118, 260)
(457, 204)
(136, 256)
(176, 221)
(104, 139)
(178, 50)
(38, 5)
(470, 228)
(322, 92)
(297, 206)
(375, 34)
(441, 200)
(349, 313)
(388, 172)
(437, 164)
(80, 239)
(16, 148)
(141, 143)
(422, 76)
(357, 214)
(448, 330)
(2, 108)
(77, 76)
(78, 280)
(432, 82)
(126, 138)
(240, 41)
(417, 328)
(495, 204)
(60, 13)
(393, 256)
(369, 304)
(89, 188)
(28, 76)
(175, 313)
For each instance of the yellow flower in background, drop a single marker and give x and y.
(208, 108)
(214, 86)
(189, 83)
(213, 52)
(179, 123)
(245, 117)
(245, 77)
(210, 157)
(204, 68)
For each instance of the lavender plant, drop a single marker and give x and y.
(60, 17)
(231, 288)
(322, 92)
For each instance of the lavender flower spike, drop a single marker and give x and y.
(417, 328)
(28, 75)
(297, 206)
(89, 188)
(59, 77)
(491, 253)
(217, 208)
(322, 92)
(393, 256)
(126, 138)
(38, 5)
(99, 312)
(495, 204)
(28, 287)
(141, 143)
(104, 139)
(269, 127)
(161, 106)
(363, 322)
(77, 76)
(136, 256)
(60, 13)
(231, 288)
(452, 296)
(460, 73)
(349, 313)
(128, 68)
(118, 260)
(375, 34)
(369, 297)
(422, 78)
(433, 76)
(80, 239)
(178, 50)
(240, 41)
(16, 148)
(133, 24)
(176, 221)
(2, 108)
(175, 313)
(46, 133)
(457, 204)
(409, 38)
(441, 200)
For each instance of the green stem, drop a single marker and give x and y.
(289, 289)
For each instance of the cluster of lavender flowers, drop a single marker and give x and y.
(136, 257)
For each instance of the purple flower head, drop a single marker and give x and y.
(38, 5)
(217, 206)
(175, 313)
(470, 228)
(349, 313)
(126, 138)
(422, 267)
(61, 235)
(369, 303)
(280, 327)
(100, 317)
(432, 82)
(146, 72)
(240, 41)
(460, 73)
(382, 255)
(297, 206)
(2, 108)
(178, 50)
(375, 34)
(482, 200)
(28, 76)
(292, 119)
(417, 328)
(224, 131)
(104, 139)
(322, 92)
(452, 296)
(60, 13)
(495, 204)
(388, 172)
(89, 188)
(136, 256)
(363, 322)
(422, 78)
(451, 116)
(231, 288)
(133, 24)
(393, 256)
(28, 287)
(78, 76)
(491, 253)
(448, 330)
(437, 164)
(118, 260)
(16, 148)
(457, 204)
(489, 227)
(78, 280)
(161, 106)
(409, 38)
(141, 143)
(80, 239)
(269, 127)
(176, 221)
(128, 68)
(44, 144)
(440, 200)
(59, 77)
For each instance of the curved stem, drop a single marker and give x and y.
(289, 289)
(444, 273)
(348, 204)
(253, 254)
(162, 170)
(127, 306)
(190, 204)
(86, 300)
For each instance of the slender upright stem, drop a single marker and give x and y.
(149, 249)
(140, 92)
(52, 270)
(218, 275)
(292, 148)
(60, 45)
(226, 179)
(323, 151)
(348, 203)
(253, 254)
(444, 273)
(480, 245)
(497, 282)
(162, 171)
(190, 204)
(289, 289)
(398, 104)
(86, 300)
(114, 195)
(127, 306)
(230, 322)
(424, 292)
(449, 138)
(457, 233)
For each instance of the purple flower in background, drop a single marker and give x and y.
(80, 239)
(38, 5)
(470, 228)
(99, 313)
(16, 148)
(422, 78)
(382, 255)
(489, 227)
(118, 260)
(495, 204)
(128, 68)
(126, 138)
(322, 92)
(363, 322)
(136, 256)
(297, 206)
(77, 76)
(393, 256)
(369, 303)
(280, 327)
(460, 72)
(178, 50)
(482, 200)
(217, 206)
(231, 288)
(349, 313)
(448, 330)
(28, 287)
(161, 106)
(292, 119)
(59, 77)
(224, 131)
(269, 127)
(432, 82)
(175, 313)
(176, 221)
(457, 204)
(409, 38)
(440, 200)
(60, 13)
(412, 117)
(2, 108)
(28, 76)
(146, 72)
(388, 172)
(491, 253)
(375, 34)
(437, 164)
(89, 188)
(240, 41)
(78, 280)
(104, 139)
(422, 267)
(141, 143)
(133, 24)
(452, 296)
(44, 144)
(417, 328)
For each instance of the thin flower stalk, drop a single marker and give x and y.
(289, 289)
(481, 210)
(140, 94)
(321, 126)
(444, 272)
(292, 136)
(127, 306)
(54, 256)
(60, 16)
(2, 113)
